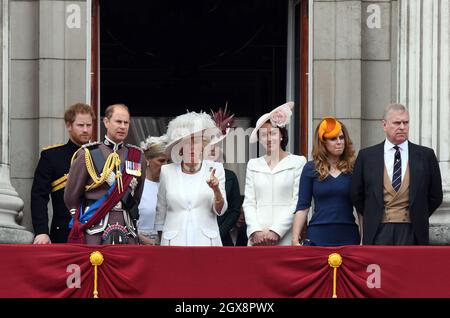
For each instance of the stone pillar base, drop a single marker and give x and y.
(15, 236)
(440, 223)
(10, 205)
(440, 234)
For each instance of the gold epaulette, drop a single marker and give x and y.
(136, 147)
(52, 146)
(85, 146)
(90, 144)
(59, 183)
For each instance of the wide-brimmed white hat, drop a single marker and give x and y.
(279, 117)
(187, 124)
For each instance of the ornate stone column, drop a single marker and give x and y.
(424, 86)
(10, 202)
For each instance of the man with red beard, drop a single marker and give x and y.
(50, 177)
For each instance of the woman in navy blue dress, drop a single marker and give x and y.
(326, 179)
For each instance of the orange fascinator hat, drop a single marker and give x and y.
(329, 128)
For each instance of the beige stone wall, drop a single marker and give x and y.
(354, 65)
(337, 63)
(379, 68)
(48, 62)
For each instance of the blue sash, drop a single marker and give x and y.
(86, 215)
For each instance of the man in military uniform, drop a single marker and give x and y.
(50, 177)
(105, 185)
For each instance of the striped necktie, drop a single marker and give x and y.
(397, 175)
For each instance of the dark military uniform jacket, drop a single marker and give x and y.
(53, 165)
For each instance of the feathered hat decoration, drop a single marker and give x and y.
(223, 119)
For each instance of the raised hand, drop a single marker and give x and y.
(212, 181)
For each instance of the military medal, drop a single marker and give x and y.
(133, 168)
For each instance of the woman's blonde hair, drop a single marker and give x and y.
(320, 154)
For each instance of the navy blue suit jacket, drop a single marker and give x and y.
(425, 191)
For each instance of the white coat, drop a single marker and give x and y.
(183, 223)
(271, 196)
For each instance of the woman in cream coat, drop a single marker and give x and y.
(271, 187)
(192, 190)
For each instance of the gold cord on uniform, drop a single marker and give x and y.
(112, 163)
(118, 174)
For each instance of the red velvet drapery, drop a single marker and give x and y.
(225, 272)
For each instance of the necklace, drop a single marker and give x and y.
(191, 169)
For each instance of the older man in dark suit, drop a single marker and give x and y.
(396, 185)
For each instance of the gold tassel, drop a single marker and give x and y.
(334, 260)
(119, 175)
(96, 259)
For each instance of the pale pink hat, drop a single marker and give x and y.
(279, 117)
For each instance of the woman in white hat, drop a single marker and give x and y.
(192, 190)
(271, 186)
(155, 155)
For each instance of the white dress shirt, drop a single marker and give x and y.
(389, 154)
